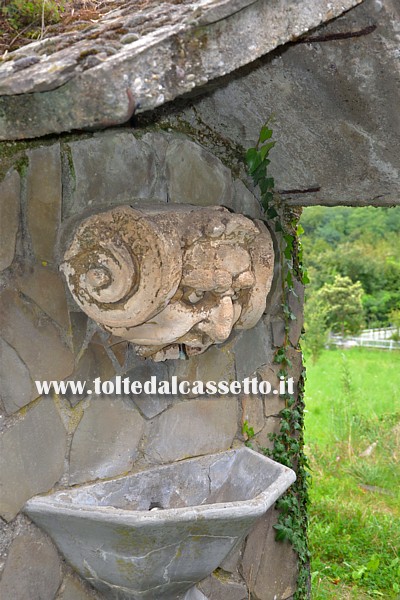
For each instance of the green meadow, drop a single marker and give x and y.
(353, 445)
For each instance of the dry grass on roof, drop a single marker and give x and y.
(25, 21)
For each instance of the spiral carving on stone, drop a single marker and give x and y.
(123, 268)
(170, 278)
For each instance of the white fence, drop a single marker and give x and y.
(384, 333)
(368, 338)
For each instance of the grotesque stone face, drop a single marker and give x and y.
(170, 278)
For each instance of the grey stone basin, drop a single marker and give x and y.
(153, 535)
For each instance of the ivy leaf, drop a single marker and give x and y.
(288, 252)
(267, 197)
(265, 134)
(280, 355)
(259, 173)
(270, 181)
(271, 213)
(265, 149)
(253, 159)
(266, 184)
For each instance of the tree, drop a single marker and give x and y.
(394, 317)
(316, 329)
(342, 302)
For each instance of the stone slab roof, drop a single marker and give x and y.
(141, 55)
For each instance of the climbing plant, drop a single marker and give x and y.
(288, 444)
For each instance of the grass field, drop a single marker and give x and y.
(353, 444)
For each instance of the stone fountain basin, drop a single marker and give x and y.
(155, 534)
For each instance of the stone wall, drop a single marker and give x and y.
(49, 443)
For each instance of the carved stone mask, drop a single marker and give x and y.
(170, 278)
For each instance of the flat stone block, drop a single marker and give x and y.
(40, 440)
(245, 202)
(195, 176)
(16, 386)
(9, 222)
(296, 303)
(110, 169)
(269, 567)
(278, 332)
(296, 358)
(273, 403)
(150, 405)
(73, 589)
(35, 339)
(106, 440)
(218, 588)
(253, 411)
(192, 428)
(252, 348)
(272, 425)
(217, 363)
(46, 289)
(94, 362)
(32, 570)
(43, 182)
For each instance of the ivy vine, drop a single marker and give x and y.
(288, 444)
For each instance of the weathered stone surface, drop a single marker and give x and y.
(217, 588)
(341, 94)
(119, 355)
(170, 436)
(194, 176)
(106, 440)
(253, 411)
(278, 332)
(150, 405)
(34, 338)
(296, 303)
(73, 589)
(31, 457)
(93, 363)
(159, 140)
(9, 217)
(296, 358)
(47, 290)
(32, 570)
(252, 348)
(93, 81)
(79, 322)
(245, 202)
(272, 425)
(263, 562)
(16, 386)
(111, 168)
(217, 364)
(273, 403)
(8, 531)
(43, 185)
(231, 563)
